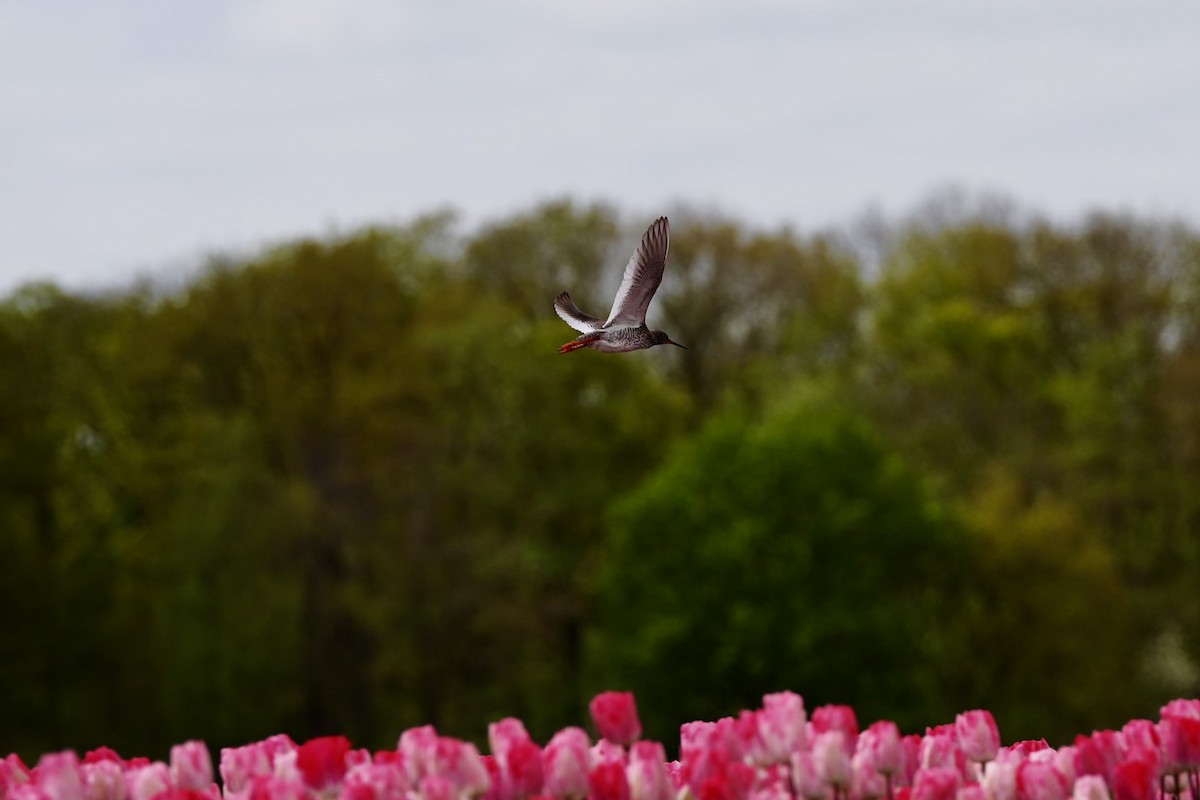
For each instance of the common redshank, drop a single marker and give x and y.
(625, 329)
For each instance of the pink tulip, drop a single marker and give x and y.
(1089, 760)
(279, 746)
(1180, 741)
(831, 755)
(273, 787)
(724, 736)
(436, 787)
(497, 788)
(520, 759)
(701, 764)
(1000, 778)
(1110, 747)
(604, 752)
(241, 764)
(58, 776)
(939, 748)
(647, 772)
(565, 764)
(675, 773)
(733, 783)
(102, 780)
(144, 783)
(356, 756)
(523, 768)
(1039, 780)
(806, 778)
(781, 725)
(774, 783)
(418, 746)
(191, 766)
(13, 773)
(374, 781)
(175, 793)
(1064, 761)
(978, 736)
(504, 734)
(880, 744)
(459, 762)
(616, 718)
(1182, 708)
(1140, 733)
(1091, 787)
(866, 782)
(694, 738)
(935, 783)
(836, 718)
(749, 743)
(765, 754)
(911, 745)
(1028, 747)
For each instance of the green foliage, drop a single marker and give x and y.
(529, 259)
(756, 309)
(795, 551)
(349, 485)
(1046, 623)
(1030, 370)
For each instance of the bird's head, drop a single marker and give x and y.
(660, 337)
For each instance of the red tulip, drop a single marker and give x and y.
(608, 782)
(322, 761)
(616, 718)
(1134, 779)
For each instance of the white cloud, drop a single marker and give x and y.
(137, 132)
(316, 27)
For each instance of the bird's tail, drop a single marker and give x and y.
(578, 342)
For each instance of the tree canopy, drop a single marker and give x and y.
(347, 485)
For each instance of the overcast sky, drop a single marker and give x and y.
(138, 135)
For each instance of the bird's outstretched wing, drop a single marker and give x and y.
(643, 274)
(571, 315)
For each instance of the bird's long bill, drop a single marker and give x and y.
(677, 344)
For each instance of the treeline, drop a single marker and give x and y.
(349, 486)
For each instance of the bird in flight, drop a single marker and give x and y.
(625, 329)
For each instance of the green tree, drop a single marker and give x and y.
(793, 551)
(757, 309)
(56, 515)
(1038, 357)
(531, 257)
(1047, 623)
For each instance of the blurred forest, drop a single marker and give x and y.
(347, 485)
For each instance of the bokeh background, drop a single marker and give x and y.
(286, 444)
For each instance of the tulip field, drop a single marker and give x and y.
(776, 752)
